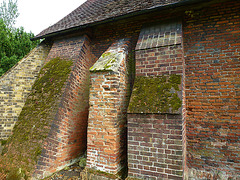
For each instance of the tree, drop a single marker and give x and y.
(9, 12)
(15, 43)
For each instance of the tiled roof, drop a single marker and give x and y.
(98, 10)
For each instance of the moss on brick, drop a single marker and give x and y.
(156, 95)
(24, 146)
(3, 142)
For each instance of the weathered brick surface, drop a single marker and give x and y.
(155, 146)
(68, 48)
(160, 34)
(155, 140)
(184, 113)
(112, 33)
(212, 52)
(159, 61)
(16, 85)
(159, 50)
(104, 35)
(210, 97)
(109, 95)
(66, 141)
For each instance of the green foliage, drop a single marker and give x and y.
(14, 45)
(9, 12)
(156, 95)
(7, 63)
(82, 162)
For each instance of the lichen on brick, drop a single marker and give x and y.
(24, 146)
(109, 61)
(156, 95)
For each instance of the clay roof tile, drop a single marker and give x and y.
(99, 10)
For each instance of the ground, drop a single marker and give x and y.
(69, 173)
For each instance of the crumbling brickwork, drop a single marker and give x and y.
(212, 53)
(109, 95)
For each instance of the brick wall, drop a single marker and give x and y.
(109, 95)
(155, 149)
(211, 46)
(184, 113)
(103, 36)
(69, 48)
(155, 146)
(16, 85)
(112, 33)
(159, 50)
(159, 61)
(66, 141)
(210, 108)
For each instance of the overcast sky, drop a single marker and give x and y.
(37, 15)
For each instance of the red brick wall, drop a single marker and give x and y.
(107, 141)
(68, 134)
(104, 36)
(211, 49)
(68, 48)
(184, 114)
(159, 61)
(212, 52)
(211, 46)
(155, 149)
(155, 146)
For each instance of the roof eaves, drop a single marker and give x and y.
(131, 14)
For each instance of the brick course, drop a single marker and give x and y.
(159, 61)
(211, 46)
(155, 146)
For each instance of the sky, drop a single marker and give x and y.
(37, 15)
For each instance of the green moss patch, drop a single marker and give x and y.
(3, 142)
(156, 95)
(23, 148)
